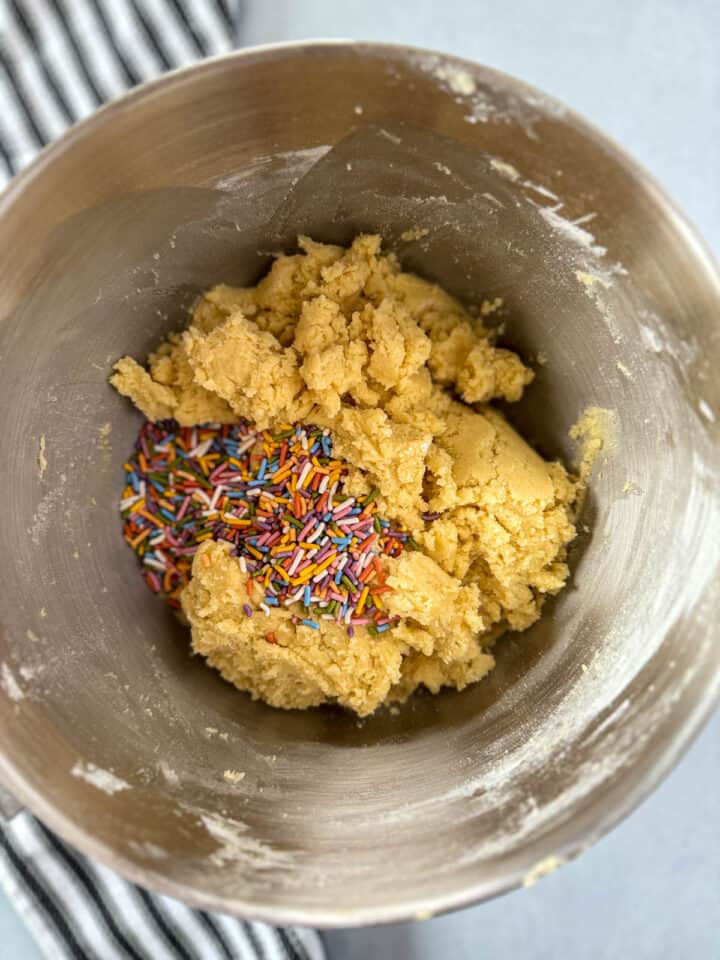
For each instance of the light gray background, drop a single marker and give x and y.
(648, 73)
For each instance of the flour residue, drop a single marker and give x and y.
(102, 779)
(570, 230)
(505, 169)
(10, 684)
(457, 79)
(46, 510)
(236, 845)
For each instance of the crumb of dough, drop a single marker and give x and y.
(233, 776)
(417, 233)
(42, 456)
(595, 432)
(402, 375)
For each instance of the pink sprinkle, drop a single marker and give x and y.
(183, 508)
(308, 527)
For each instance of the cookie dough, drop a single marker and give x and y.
(402, 375)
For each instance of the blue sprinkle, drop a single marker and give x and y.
(311, 623)
(338, 577)
(135, 482)
(263, 468)
(271, 601)
(168, 516)
(306, 596)
(383, 627)
(328, 517)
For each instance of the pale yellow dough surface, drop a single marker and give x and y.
(401, 374)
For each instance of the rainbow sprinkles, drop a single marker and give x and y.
(277, 498)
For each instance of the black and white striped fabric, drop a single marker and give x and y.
(79, 910)
(59, 60)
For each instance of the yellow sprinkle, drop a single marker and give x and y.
(283, 573)
(363, 598)
(204, 536)
(234, 522)
(326, 562)
(306, 575)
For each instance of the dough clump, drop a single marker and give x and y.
(402, 375)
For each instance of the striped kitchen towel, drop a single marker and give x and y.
(79, 910)
(59, 60)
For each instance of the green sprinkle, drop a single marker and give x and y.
(370, 497)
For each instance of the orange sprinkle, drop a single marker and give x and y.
(151, 518)
(140, 537)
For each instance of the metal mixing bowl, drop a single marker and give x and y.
(111, 732)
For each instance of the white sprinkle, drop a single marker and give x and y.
(219, 490)
(294, 565)
(155, 564)
(323, 485)
(244, 447)
(129, 501)
(243, 564)
(265, 609)
(202, 448)
(303, 475)
(317, 532)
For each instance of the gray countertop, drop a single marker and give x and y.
(648, 73)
